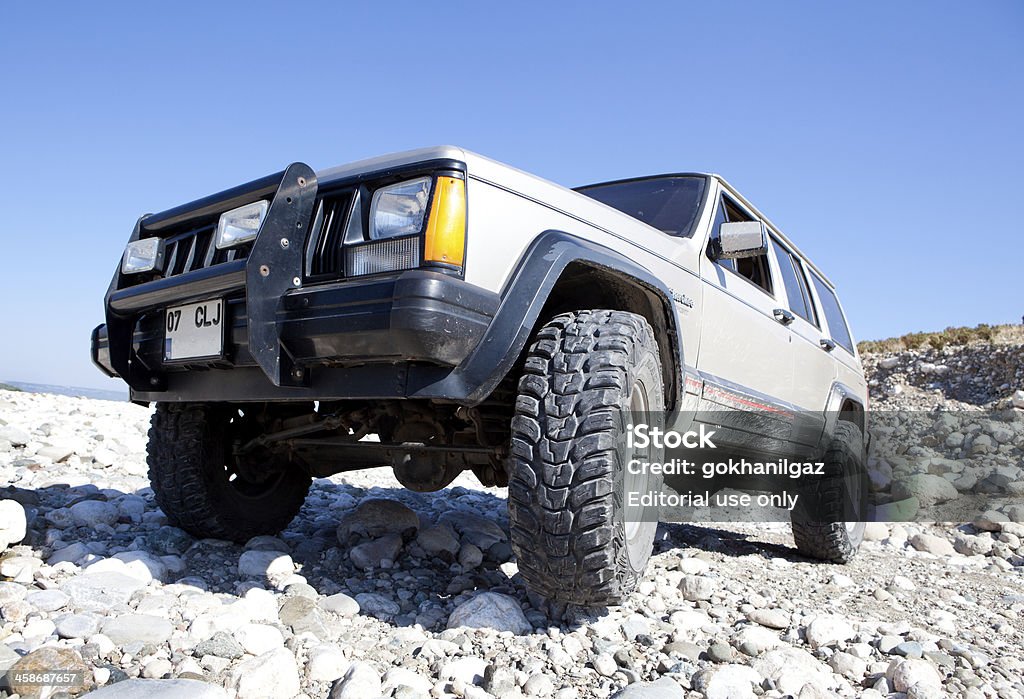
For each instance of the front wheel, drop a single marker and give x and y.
(575, 539)
(830, 525)
(205, 488)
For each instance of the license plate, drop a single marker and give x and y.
(195, 331)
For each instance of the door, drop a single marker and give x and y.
(745, 358)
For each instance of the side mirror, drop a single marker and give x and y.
(741, 239)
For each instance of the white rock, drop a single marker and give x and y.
(730, 681)
(14, 435)
(77, 625)
(772, 618)
(826, 630)
(754, 640)
(326, 663)
(693, 566)
(490, 610)
(129, 628)
(697, 587)
(935, 545)
(142, 565)
(157, 668)
(269, 676)
(848, 665)
(12, 523)
(403, 677)
(158, 689)
(361, 680)
(468, 670)
(340, 604)
(906, 673)
(71, 553)
(258, 639)
(48, 600)
(100, 591)
(273, 565)
(792, 668)
(605, 664)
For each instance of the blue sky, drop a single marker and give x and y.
(884, 138)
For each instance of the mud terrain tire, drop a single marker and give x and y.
(818, 529)
(190, 469)
(584, 373)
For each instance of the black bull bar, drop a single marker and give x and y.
(274, 266)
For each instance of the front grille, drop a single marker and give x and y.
(189, 247)
(328, 234)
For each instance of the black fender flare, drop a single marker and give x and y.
(522, 300)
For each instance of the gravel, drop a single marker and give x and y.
(375, 590)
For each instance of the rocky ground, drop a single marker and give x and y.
(377, 591)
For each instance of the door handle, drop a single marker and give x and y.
(827, 345)
(783, 316)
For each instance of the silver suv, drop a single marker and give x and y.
(475, 317)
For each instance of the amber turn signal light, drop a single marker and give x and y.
(446, 227)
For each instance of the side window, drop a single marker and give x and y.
(837, 327)
(796, 284)
(753, 269)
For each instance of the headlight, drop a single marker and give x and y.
(399, 209)
(240, 225)
(144, 255)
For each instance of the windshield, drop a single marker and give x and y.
(669, 203)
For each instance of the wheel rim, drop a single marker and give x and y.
(233, 474)
(637, 548)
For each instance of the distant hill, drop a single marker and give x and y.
(991, 334)
(74, 391)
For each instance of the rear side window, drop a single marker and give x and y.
(837, 327)
(796, 284)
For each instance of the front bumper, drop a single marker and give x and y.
(395, 329)
(373, 337)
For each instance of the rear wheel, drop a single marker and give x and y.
(205, 488)
(575, 539)
(829, 520)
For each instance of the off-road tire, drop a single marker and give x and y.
(566, 471)
(188, 452)
(818, 529)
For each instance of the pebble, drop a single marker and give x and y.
(257, 639)
(269, 676)
(340, 604)
(376, 517)
(697, 587)
(12, 523)
(159, 689)
(131, 628)
(326, 663)
(490, 610)
(772, 618)
(438, 608)
(828, 630)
